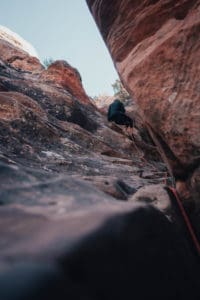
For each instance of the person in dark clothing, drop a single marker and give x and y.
(116, 113)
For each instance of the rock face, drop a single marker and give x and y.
(17, 52)
(18, 58)
(67, 77)
(155, 46)
(67, 229)
(17, 41)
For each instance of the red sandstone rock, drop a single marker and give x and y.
(64, 75)
(17, 41)
(13, 104)
(18, 58)
(155, 46)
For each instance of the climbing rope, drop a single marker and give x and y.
(131, 137)
(180, 206)
(186, 219)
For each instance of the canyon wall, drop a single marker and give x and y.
(155, 46)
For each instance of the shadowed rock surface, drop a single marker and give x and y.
(66, 227)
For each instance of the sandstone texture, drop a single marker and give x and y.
(69, 227)
(155, 47)
(62, 74)
(17, 41)
(18, 58)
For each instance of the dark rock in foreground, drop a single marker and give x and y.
(113, 251)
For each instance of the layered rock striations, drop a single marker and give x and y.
(155, 47)
(17, 41)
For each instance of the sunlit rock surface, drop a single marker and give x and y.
(17, 41)
(17, 52)
(62, 74)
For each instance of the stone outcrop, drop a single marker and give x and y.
(18, 58)
(67, 227)
(17, 52)
(67, 77)
(155, 47)
(17, 41)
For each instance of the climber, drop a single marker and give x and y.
(116, 113)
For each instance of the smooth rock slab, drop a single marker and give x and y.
(111, 252)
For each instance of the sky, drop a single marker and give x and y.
(63, 29)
